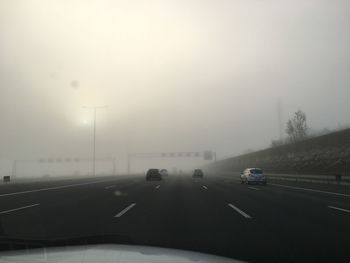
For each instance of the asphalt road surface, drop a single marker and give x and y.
(280, 222)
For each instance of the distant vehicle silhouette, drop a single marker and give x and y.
(198, 173)
(153, 174)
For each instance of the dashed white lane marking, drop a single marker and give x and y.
(253, 188)
(125, 210)
(204, 187)
(239, 211)
(54, 188)
(338, 208)
(110, 186)
(158, 186)
(16, 209)
(311, 190)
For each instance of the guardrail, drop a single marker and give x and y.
(326, 179)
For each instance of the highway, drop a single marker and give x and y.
(279, 222)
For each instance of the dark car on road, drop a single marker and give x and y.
(198, 173)
(153, 174)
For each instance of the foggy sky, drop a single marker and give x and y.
(176, 75)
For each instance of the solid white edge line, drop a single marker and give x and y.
(54, 188)
(310, 189)
(239, 211)
(338, 208)
(125, 210)
(206, 188)
(158, 186)
(253, 188)
(110, 186)
(16, 209)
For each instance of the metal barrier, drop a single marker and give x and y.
(326, 179)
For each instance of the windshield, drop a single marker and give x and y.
(256, 171)
(130, 122)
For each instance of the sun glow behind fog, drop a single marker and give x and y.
(85, 122)
(102, 52)
(122, 55)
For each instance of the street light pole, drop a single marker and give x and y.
(94, 148)
(114, 166)
(94, 108)
(129, 164)
(14, 169)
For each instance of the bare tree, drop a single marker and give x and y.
(278, 142)
(296, 127)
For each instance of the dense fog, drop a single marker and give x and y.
(176, 77)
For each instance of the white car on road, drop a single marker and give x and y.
(253, 175)
(164, 172)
